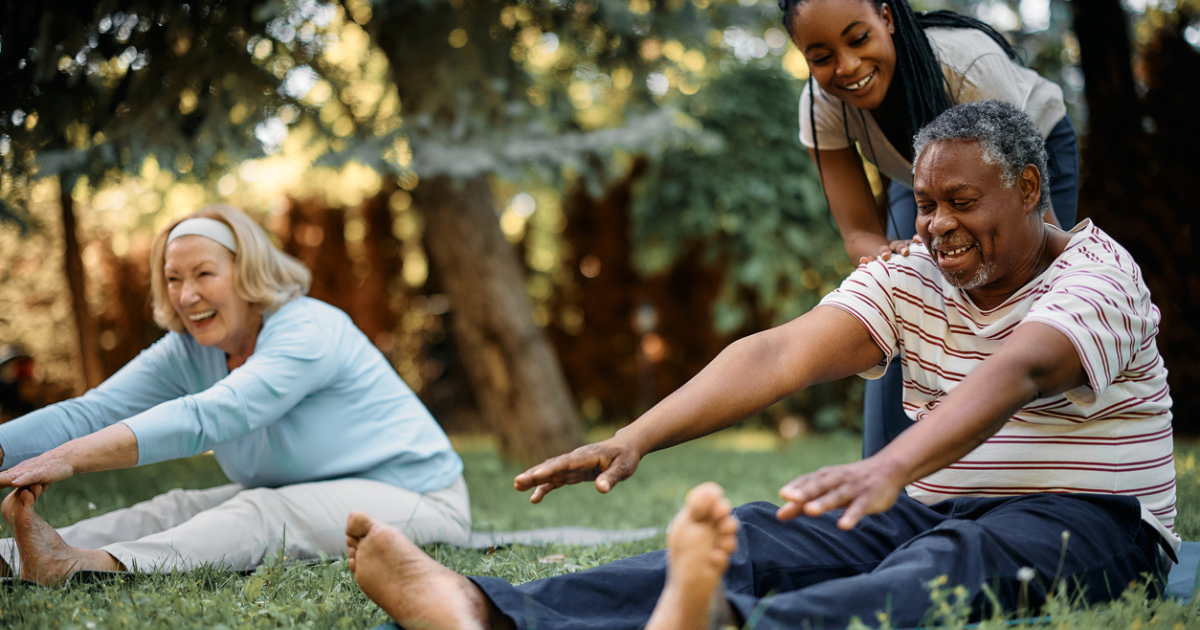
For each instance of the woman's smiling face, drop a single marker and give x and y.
(199, 274)
(849, 49)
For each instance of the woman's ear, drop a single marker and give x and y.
(885, 12)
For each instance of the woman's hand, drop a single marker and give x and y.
(42, 470)
(608, 463)
(886, 251)
(866, 487)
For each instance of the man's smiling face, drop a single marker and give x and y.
(973, 223)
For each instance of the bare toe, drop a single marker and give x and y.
(358, 524)
(702, 538)
(413, 588)
(45, 556)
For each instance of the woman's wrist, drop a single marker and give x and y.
(865, 245)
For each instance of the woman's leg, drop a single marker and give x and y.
(142, 519)
(301, 521)
(1062, 152)
(883, 398)
(44, 556)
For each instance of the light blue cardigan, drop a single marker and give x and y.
(315, 401)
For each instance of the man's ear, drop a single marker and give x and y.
(1031, 188)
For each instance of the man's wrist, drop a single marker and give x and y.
(895, 466)
(635, 437)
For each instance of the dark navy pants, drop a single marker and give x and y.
(883, 416)
(808, 573)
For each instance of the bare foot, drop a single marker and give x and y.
(700, 540)
(411, 587)
(45, 557)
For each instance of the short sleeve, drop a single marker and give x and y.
(830, 122)
(867, 296)
(1108, 316)
(994, 76)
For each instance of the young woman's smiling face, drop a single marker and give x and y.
(199, 274)
(849, 48)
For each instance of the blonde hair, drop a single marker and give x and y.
(262, 275)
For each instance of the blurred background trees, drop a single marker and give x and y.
(547, 215)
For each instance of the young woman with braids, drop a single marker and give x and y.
(878, 73)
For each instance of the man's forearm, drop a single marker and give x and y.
(739, 382)
(752, 373)
(1037, 361)
(966, 418)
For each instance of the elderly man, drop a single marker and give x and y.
(1041, 448)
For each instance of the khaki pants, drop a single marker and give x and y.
(236, 528)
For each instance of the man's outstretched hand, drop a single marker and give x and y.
(865, 487)
(608, 463)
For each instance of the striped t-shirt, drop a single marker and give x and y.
(1112, 436)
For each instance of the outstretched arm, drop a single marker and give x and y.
(1035, 362)
(112, 447)
(825, 344)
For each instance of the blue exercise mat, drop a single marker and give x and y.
(1181, 583)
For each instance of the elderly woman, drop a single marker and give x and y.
(302, 413)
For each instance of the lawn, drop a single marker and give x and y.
(750, 465)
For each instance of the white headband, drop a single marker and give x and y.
(211, 229)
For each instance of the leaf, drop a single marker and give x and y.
(253, 588)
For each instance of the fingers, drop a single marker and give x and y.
(605, 463)
(557, 469)
(854, 513)
(540, 492)
(789, 510)
(618, 470)
(818, 492)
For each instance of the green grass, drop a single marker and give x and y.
(749, 465)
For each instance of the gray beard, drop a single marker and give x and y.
(961, 281)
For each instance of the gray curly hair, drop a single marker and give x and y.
(1006, 135)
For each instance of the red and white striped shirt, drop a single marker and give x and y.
(1112, 436)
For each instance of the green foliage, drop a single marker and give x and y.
(96, 86)
(281, 595)
(14, 215)
(484, 84)
(752, 201)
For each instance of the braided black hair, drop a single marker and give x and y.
(918, 74)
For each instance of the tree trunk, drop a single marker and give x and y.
(515, 374)
(85, 325)
(1137, 178)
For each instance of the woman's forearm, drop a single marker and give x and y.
(111, 447)
(864, 244)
